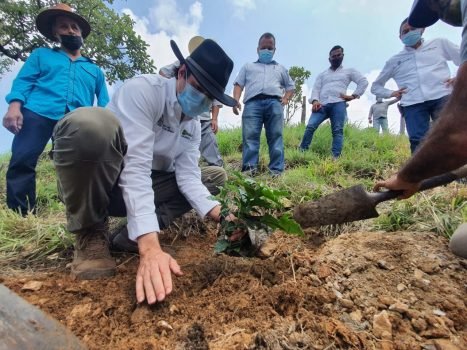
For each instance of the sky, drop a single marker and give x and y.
(305, 30)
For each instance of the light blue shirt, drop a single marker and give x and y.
(464, 31)
(261, 78)
(50, 83)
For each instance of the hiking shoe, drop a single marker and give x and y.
(121, 243)
(92, 259)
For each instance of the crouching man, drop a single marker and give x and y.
(139, 159)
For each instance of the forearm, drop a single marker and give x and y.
(445, 148)
(237, 92)
(215, 112)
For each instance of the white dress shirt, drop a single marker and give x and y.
(422, 71)
(158, 139)
(330, 84)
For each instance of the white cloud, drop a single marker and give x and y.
(242, 6)
(165, 22)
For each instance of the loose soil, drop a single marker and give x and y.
(365, 290)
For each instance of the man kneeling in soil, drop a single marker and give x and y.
(139, 159)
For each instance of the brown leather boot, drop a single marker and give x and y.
(92, 259)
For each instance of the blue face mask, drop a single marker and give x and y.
(265, 55)
(412, 37)
(193, 102)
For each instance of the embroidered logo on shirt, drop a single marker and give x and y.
(164, 127)
(186, 134)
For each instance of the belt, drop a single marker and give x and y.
(264, 97)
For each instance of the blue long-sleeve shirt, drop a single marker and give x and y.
(50, 83)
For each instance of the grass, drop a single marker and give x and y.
(309, 175)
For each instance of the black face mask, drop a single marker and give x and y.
(71, 42)
(336, 62)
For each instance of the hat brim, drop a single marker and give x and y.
(201, 78)
(45, 19)
(421, 15)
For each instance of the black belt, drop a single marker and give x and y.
(264, 97)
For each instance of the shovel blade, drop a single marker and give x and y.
(351, 204)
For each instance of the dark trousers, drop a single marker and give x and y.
(27, 146)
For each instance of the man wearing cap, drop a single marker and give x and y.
(422, 76)
(142, 163)
(51, 83)
(209, 125)
(378, 114)
(445, 148)
(268, 88)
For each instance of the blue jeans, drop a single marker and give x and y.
(418, 117)
(336, 112)
(380, 122)
(27, 146)
(256, 113)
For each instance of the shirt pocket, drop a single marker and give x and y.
(87, 76)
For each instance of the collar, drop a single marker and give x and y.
(272, 62)
(338, 68)
(80, 58)
(171, 98)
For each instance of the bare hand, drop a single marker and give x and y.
(214, 126)
(450, 81)
(284, 101)
(397, 184)
(347, 97)
(13, 119)
(316, 106)
(370, 121)
(236, 109)
(154, 278)
(398, 93)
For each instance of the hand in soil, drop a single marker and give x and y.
(237, 235)
(154, 276)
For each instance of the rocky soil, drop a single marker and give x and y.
(366, 290)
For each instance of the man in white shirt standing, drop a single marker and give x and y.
(423, 78)
(329, 98)
(378, 114)
(139, 158)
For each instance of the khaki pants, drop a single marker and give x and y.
(88, 152)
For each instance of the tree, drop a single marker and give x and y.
(112, 44)
(299, 75)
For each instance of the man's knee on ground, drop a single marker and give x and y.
(213, 177)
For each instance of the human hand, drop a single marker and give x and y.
(399, 93)
(284, 101)
(370, 121)
(236, 109)
(13, 119)
(154, 278)
(450, 82)
(397, 184)
(315, 106)
(214, 126)
(347, 97)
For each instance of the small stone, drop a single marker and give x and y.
(173, 309)
(347, 303)
(399, 307)
(382, 264)
(401, 287)
(337, 293)
(324, 271)
(347, 272)
(141, 314)
(32, 286)
(382, 327)
(411, 313)
(430, 267)
(419, 324)
(386, 300)
(438, 312)
(267, 249)
(444, 344)
(356, 316)
(418, 274)
(164, 326)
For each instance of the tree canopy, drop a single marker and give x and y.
(299, 75)
(112, 44)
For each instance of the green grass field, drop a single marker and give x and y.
(366, 157)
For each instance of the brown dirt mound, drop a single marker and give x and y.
(366, 290)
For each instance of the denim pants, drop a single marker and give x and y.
(269, 112)
(208, 146)
(27, 146)
(380, 123)
(89, 147)
(418, 118)
(336, 112)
